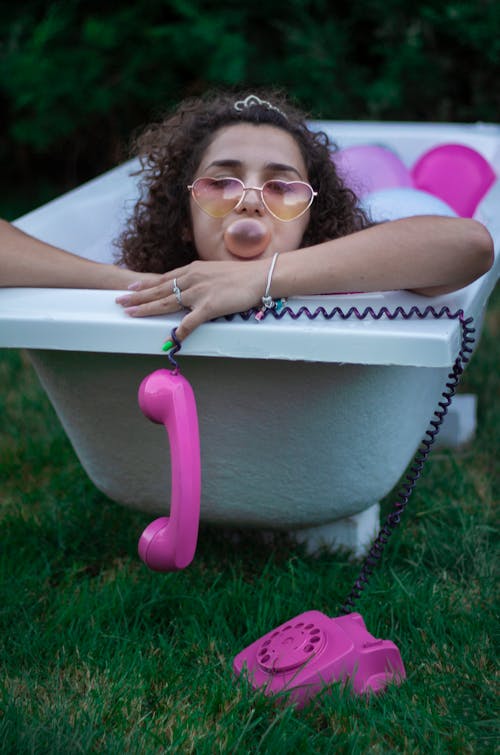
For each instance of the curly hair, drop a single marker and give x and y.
(170, 152)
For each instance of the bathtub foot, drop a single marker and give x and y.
(354, 533)
(459, 426)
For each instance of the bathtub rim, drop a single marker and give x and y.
(90, 320)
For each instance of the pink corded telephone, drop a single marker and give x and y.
(311, 651)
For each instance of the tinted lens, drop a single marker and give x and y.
(287, 200)
(217, 196)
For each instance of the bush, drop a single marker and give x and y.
(77, 77)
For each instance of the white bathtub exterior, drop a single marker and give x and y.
(302, 423)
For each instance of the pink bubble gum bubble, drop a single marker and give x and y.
(246, 238)
(458, 174)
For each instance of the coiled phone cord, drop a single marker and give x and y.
(421, 456)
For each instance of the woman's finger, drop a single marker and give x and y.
(164, 306)
(189, 323)
(153, 280)
(146, 280)
(136, 298)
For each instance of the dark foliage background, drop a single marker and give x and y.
(78, 76)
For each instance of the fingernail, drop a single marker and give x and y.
(134, 286)
(123, 299)
(131, 311)
(167, 346)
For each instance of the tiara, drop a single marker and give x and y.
(252, 100)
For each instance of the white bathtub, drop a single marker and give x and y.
(304, 425)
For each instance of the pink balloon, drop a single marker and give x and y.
(367, 168)
(455, 173)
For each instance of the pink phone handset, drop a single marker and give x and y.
(169, 543)
(310, 652)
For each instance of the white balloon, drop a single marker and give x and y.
(403, 202)
(487, 210)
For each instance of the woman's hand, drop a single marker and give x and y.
(207, 289)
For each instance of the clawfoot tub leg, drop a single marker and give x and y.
(459, 426)
(354, 533)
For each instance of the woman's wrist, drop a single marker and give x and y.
(114, 277)
(267, 300)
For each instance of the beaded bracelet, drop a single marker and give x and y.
(267, 301)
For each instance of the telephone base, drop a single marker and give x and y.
(312, 651)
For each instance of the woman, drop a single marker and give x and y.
(224, 159)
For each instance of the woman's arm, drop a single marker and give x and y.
(428, 255)
(27, 261)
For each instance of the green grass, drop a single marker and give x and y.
(100, 655)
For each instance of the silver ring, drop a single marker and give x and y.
(177, 293)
